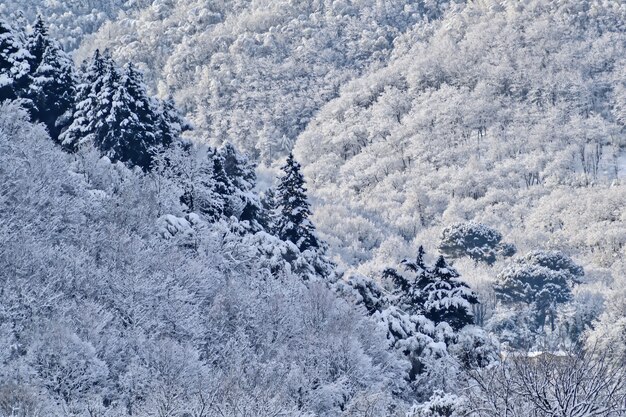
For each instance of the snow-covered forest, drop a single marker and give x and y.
(333, 208)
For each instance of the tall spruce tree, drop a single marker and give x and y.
(242, 175)
(14, 63)
(52, 86)
(293, 223)
(85, 118)
(169, 123)
(114, 113)
(269, 211)
(408, 295)
(38, 41)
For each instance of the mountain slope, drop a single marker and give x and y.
(509, 114)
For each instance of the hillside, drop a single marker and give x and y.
(343, 208)
(512, 116)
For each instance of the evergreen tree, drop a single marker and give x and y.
(114, 113)
(446, 298)
(14, 63)
(169, 123)
(293, 223)
(435, 292)
(38, 41)
(83, 127)
(52, 85)
(542, 280)
(242, 175)
(269, 210)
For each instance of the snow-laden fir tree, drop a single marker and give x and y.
(52, 81)
(294, 224)
(14, 62)
(542, 280)
(435, 292)
(408, 294)
(170, 123)
(446, 298)
(241, 173)
(114, 113)
(269, 210)
(83, 127)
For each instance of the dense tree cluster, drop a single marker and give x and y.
(254, 73)
(150, 272)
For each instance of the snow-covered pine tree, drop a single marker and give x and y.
(120, 136)
(269, 210)
(14, 63)
(294, 224)
(435, 292)
(114, 113)
(408, 294)
(446, 298)
(242, 175)
(83, 127)
(169, 122)
(542, 280)
(52, 85)
(38, 41)
(139, 141)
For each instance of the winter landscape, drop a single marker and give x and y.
(333, 208)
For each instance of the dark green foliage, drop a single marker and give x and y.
(541, 279)
(446, 298)
(269, 210)
(14, 63)
(116, 115)
(474, 240)
(294, 224)
(435, 292)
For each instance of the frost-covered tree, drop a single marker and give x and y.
(542, 280)
(445, 297)
(52, 89)
(477, 241)
(436, 292)
(294, 224)
(82, 129)
(170, 124)
(14, 62)
(114, 113)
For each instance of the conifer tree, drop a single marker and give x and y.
(52, 81)
(269, 210)
(83, 126)
(14, 63)
(169, 123)
(293, 223)
(242, 175)
(114, 113)
(38, 41)
(445, 297)
(435, 292)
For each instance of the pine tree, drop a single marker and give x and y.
(446, 298)
(52, 82)
(436, 292)
(83, 127)
(114, 113)
(542, 280)
(14, 63)
(293, 223)
(269, 211)
(38, 42)
(169, 123)
(242, 175)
